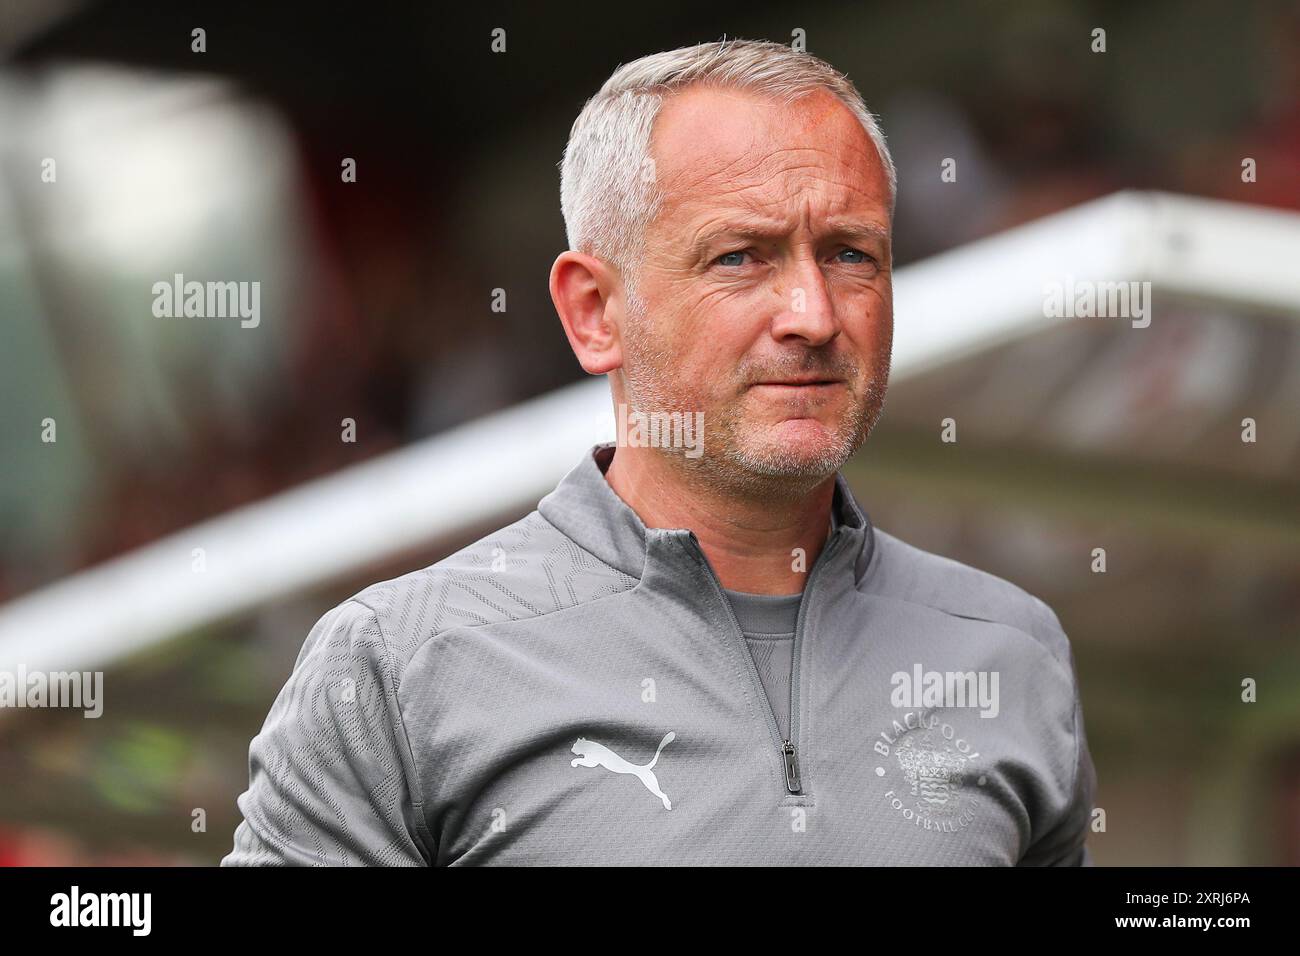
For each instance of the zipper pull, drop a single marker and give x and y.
(791, 768)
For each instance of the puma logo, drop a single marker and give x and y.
(592, 754)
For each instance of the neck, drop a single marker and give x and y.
(750, 541)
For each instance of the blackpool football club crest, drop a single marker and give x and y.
(929, 772)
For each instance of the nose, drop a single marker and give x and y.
(808, 312)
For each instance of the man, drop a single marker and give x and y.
(695, 652)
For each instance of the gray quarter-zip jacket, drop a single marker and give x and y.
(574, 689)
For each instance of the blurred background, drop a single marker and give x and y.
(376, 306)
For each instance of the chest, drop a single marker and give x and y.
(661, 748)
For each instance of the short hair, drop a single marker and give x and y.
(607, 201)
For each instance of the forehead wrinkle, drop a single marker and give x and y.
(769, 179)
(750, 160)
(756, 198)
(782, 184)
(756, 213)
(742, 225)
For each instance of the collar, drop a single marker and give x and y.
(585, 507)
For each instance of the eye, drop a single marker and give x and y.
(857, 252)
(727, 255)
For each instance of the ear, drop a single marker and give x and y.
(588, 296)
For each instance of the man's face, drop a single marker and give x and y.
(766, 283)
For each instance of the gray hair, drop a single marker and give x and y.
(608, 193)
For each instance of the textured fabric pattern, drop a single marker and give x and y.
(329, 771)
(573, 689)
(774, 658)
(339, 710)
(768, 623)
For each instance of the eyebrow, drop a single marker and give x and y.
(746, 228)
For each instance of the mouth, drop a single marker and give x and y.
(809, 384)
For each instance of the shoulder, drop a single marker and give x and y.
(905, 572)
(524, 570)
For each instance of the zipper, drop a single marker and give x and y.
(786, 746)
(792, 762)
(791, 766)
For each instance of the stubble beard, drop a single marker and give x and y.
(739, 457)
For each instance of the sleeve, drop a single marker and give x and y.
(330, 770)
(1063, 843)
